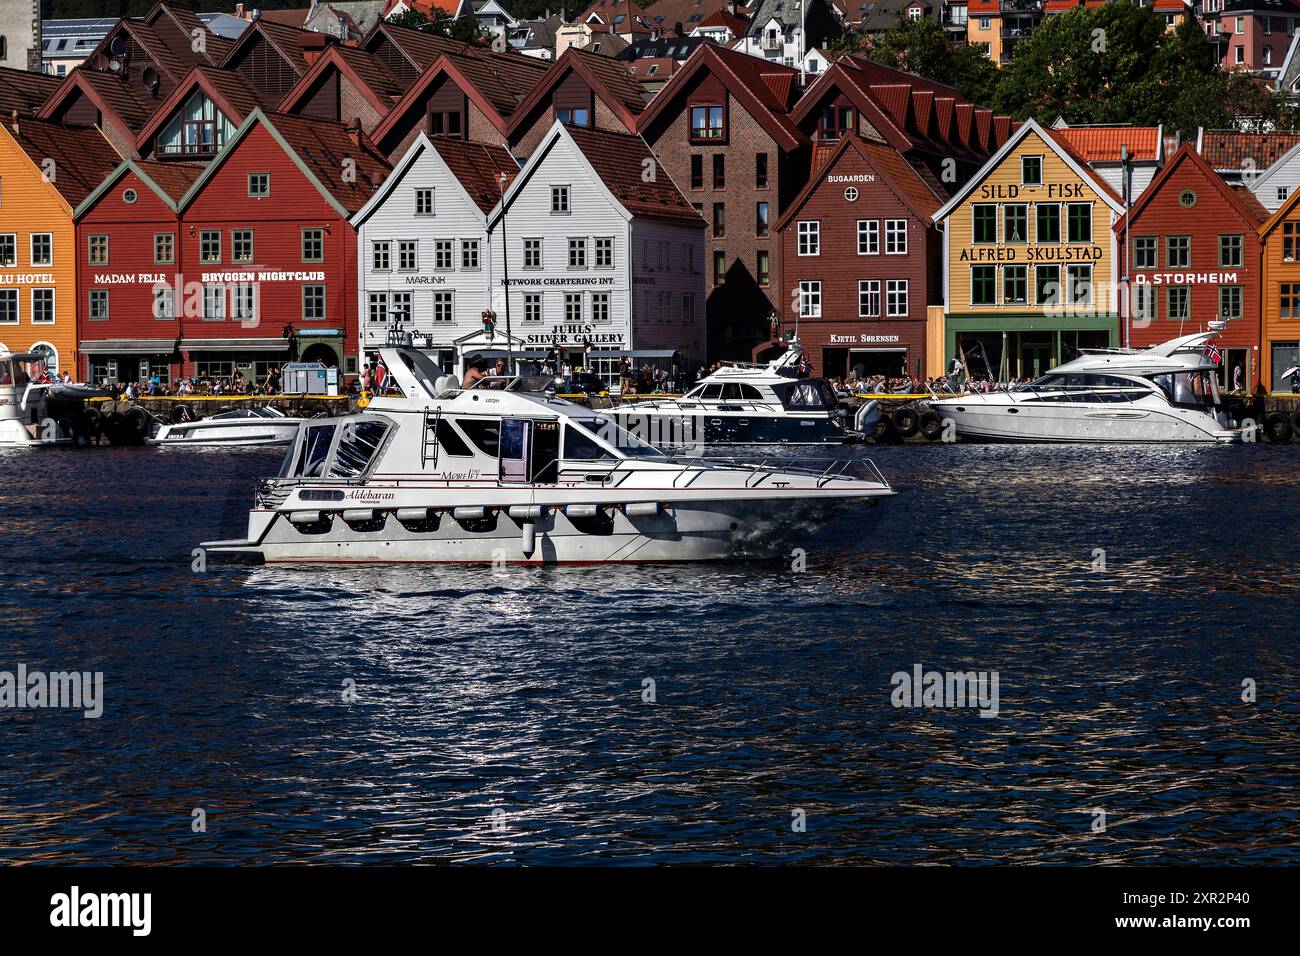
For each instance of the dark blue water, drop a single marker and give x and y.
(499, 716)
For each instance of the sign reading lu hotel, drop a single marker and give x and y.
(27, 278)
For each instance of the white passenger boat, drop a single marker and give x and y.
(506, 472)
(36, 413)
(1166, 393)
(744, 404)
(262, 425)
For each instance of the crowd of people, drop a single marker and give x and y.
(236, 384)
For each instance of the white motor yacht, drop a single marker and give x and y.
(744, 404)
(261, 425)
(504, 471)
(35, 413)
(1166, 393)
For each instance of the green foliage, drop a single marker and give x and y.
(923, 47)
(466, 28)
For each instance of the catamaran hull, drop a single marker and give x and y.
(698, 531)
(1026, 422)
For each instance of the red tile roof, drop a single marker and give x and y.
(421, 48)
(286, 39)
(25, 92)
(108, 91)
(228, 89)
(1248, 207)
(174, 179)
(82, 157)
(984, 7)
(609, 79)
(721, 18)
(756, 85)
(1098, 183)
(618, 161)
(374, 80)
(1102, 144)
(477, 166)
(323, 146)
(1230, 151)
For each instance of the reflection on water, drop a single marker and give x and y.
(515, 698)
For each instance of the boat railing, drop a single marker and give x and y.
(764, 469)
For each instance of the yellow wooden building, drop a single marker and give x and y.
(1030, 265)
(46, 170)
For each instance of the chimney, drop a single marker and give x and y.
(14, 116)
(239, 10)
(257, 14)
(313, 45)
(354, 131)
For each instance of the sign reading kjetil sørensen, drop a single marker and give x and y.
(60, 690)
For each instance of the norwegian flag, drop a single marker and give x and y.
(1212, 352)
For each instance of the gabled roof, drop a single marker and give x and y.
(473, 167)
(1103, 144)
(24, 91)
(233, 95)
(81, 155)
(319, 148)
(1058, 146)
(286, 39)
(1282, 213)
(109, 92)
(1282, 162)
(1227, 150)
(1250, 210)
(608, 79)
(375, 81)
(900, 177)
(168, 181)
(420, 49)
(754, 84)
(909, 111)
(615, 163)
(494, 82)
(215, 46)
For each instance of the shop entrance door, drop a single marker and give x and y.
(1035, 355)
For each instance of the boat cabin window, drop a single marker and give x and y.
(808, 393)
(484, 433)
(6, 373)
(312, 451)
(358, 442)
(611, 432)
(425, 370)
(449, 440)
(1189, 388)
(739, 391)
(711, 391)
(578, 446)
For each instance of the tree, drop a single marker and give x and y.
(923, 47)
(465, 28)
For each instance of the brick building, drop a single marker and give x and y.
(1194, 255)
(860, 261)
(722, 129)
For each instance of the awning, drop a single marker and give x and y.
(128, 347)
(633, 353)
(502, 353)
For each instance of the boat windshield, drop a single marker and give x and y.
(316, 453)
(804, 393)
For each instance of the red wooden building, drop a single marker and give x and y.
(261, 256)
(860, 261)
(1194, 255)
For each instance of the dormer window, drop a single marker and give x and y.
(708, 122)
(574, 117)
(836, 121)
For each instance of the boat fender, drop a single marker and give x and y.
(469, 512)
(906, 421)
(528, 539)
(414, 514)
(304, 517)
(867, 417)
(1295, 422)
(526, 512)
(179, 413)
(931, 424)
(581, 511)
(1277, 426)
(359, 515)
(637, 509)
(138, 419)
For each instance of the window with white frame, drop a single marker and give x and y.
(560, 200)
(97, 250)
(532, 307)
(8, 249)
(408, 259)
(442, 307)
(604, 251)
(214, 303)
(313, 303)
(532, 253)
(241, 245)
(810, 299)
(578, 253)
(210, 246)
(600, 306)
(164, 302)
(42, 249)
(896, 297)
(8, 306)
(377, 308)
(573, 307)
(868, 237)
(424, 201)
(810, 238)
(868, 298)
(469, 254)
(400, 305)
(243, 301)
(42, 307)
(895, 237)
(442, 252)
(98, 305)
(379, 256)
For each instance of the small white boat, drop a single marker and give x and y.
(506, 472)
(745, 404)
(34, 412)
(262, 425)
(1166, 393)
